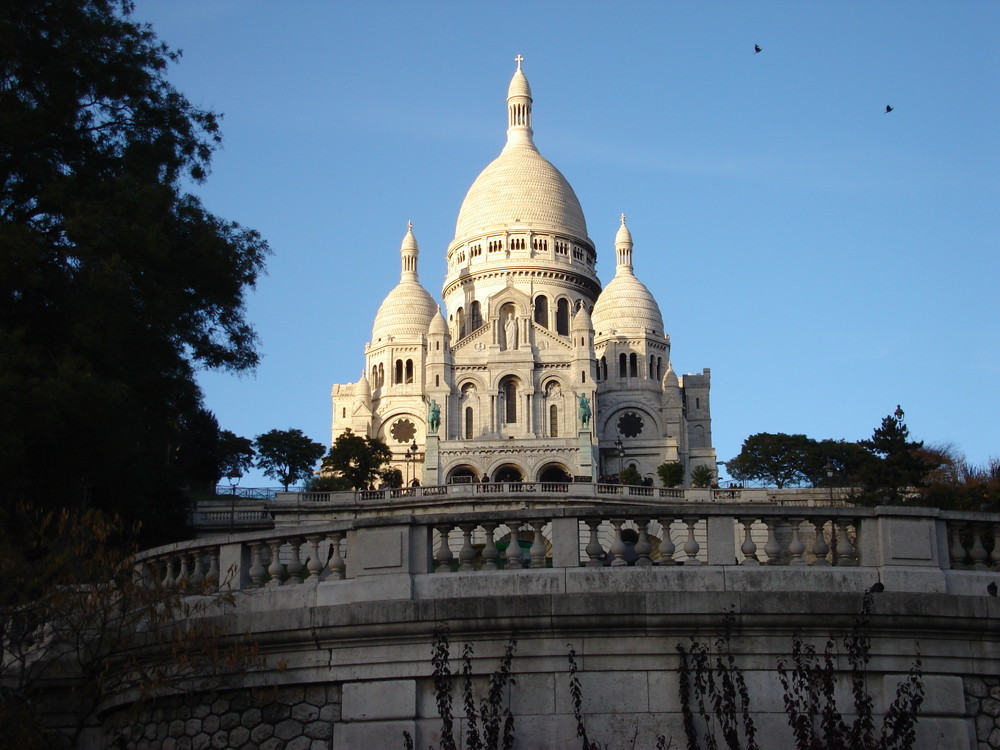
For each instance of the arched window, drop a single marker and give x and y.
(652, 367)
(553, 421)
(409, 371)
(542, 311)
(398, 376)
(622, 365)
(468, 423)
(562, 317)
(633, 366)
(659, 367)
(604, 368)
(460, 319)
(374, 376)
(475, 316)
(508, 389)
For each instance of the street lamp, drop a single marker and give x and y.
(233, 478)
(828, 467)
(411, 455)
(620, 447)
(898, 414)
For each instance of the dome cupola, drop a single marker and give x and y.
(408, 309)
(626, 304)
(520, 188)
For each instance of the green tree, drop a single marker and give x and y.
(900, 465)
(287, 455)
(778, 459)
(115, 283)
(702, 475)
(235, 455)
(74, 616)
(358, 460)
(845, 459)
(630, 475)
(671, 473)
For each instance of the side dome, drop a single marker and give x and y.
(626, 304)
(409, 308)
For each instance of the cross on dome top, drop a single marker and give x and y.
(519, 60)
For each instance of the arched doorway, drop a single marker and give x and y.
(464, 474)
(554, 473)
(508, 473)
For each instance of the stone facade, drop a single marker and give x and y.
(530, 370)
(285, 718)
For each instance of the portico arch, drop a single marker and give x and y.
(554, 472)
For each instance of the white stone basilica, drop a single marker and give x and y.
(533, 372)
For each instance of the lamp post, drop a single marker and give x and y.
(620, 447)
(233, 477)
(828, 467)
(411, 455)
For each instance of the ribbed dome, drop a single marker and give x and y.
(520, 187)
(408, 309)
(438, 326)
(626, 304)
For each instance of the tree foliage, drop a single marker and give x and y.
(702, 475)
(671, 473)
(358, 460)
(115, 283)
(900, 464)
(235, 455)
(287, 455)
(778, 459)
(77, 624)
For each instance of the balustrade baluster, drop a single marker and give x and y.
(642, 547)
(667, 547)
(617, 545)
(538, 546)
(490, 552)
(275, 569)
(820, 548)
(513, 553)
(197, 578)
(772, 548)
(212, 575)
(978, 552)
(749, 547)
(337, 565)
(313, 563)
(845, 550)
(691, 546)
(184, 574)
(795, 546)
(595, 552)
(444, 554)
(956, 550)
(295, 565)
(468, 553)
(257, 569)
(168, 573)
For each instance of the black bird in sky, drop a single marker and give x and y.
(888, 108)
(756, 48)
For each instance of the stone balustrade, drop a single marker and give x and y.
(907, 544)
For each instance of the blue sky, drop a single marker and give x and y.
(825, 259)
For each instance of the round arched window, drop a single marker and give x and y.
(630, 424)
(403, 430)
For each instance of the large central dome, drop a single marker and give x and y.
(520, 187)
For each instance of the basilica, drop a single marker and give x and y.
(529, 371)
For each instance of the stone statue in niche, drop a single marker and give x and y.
(584, 410)
(510, 333)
